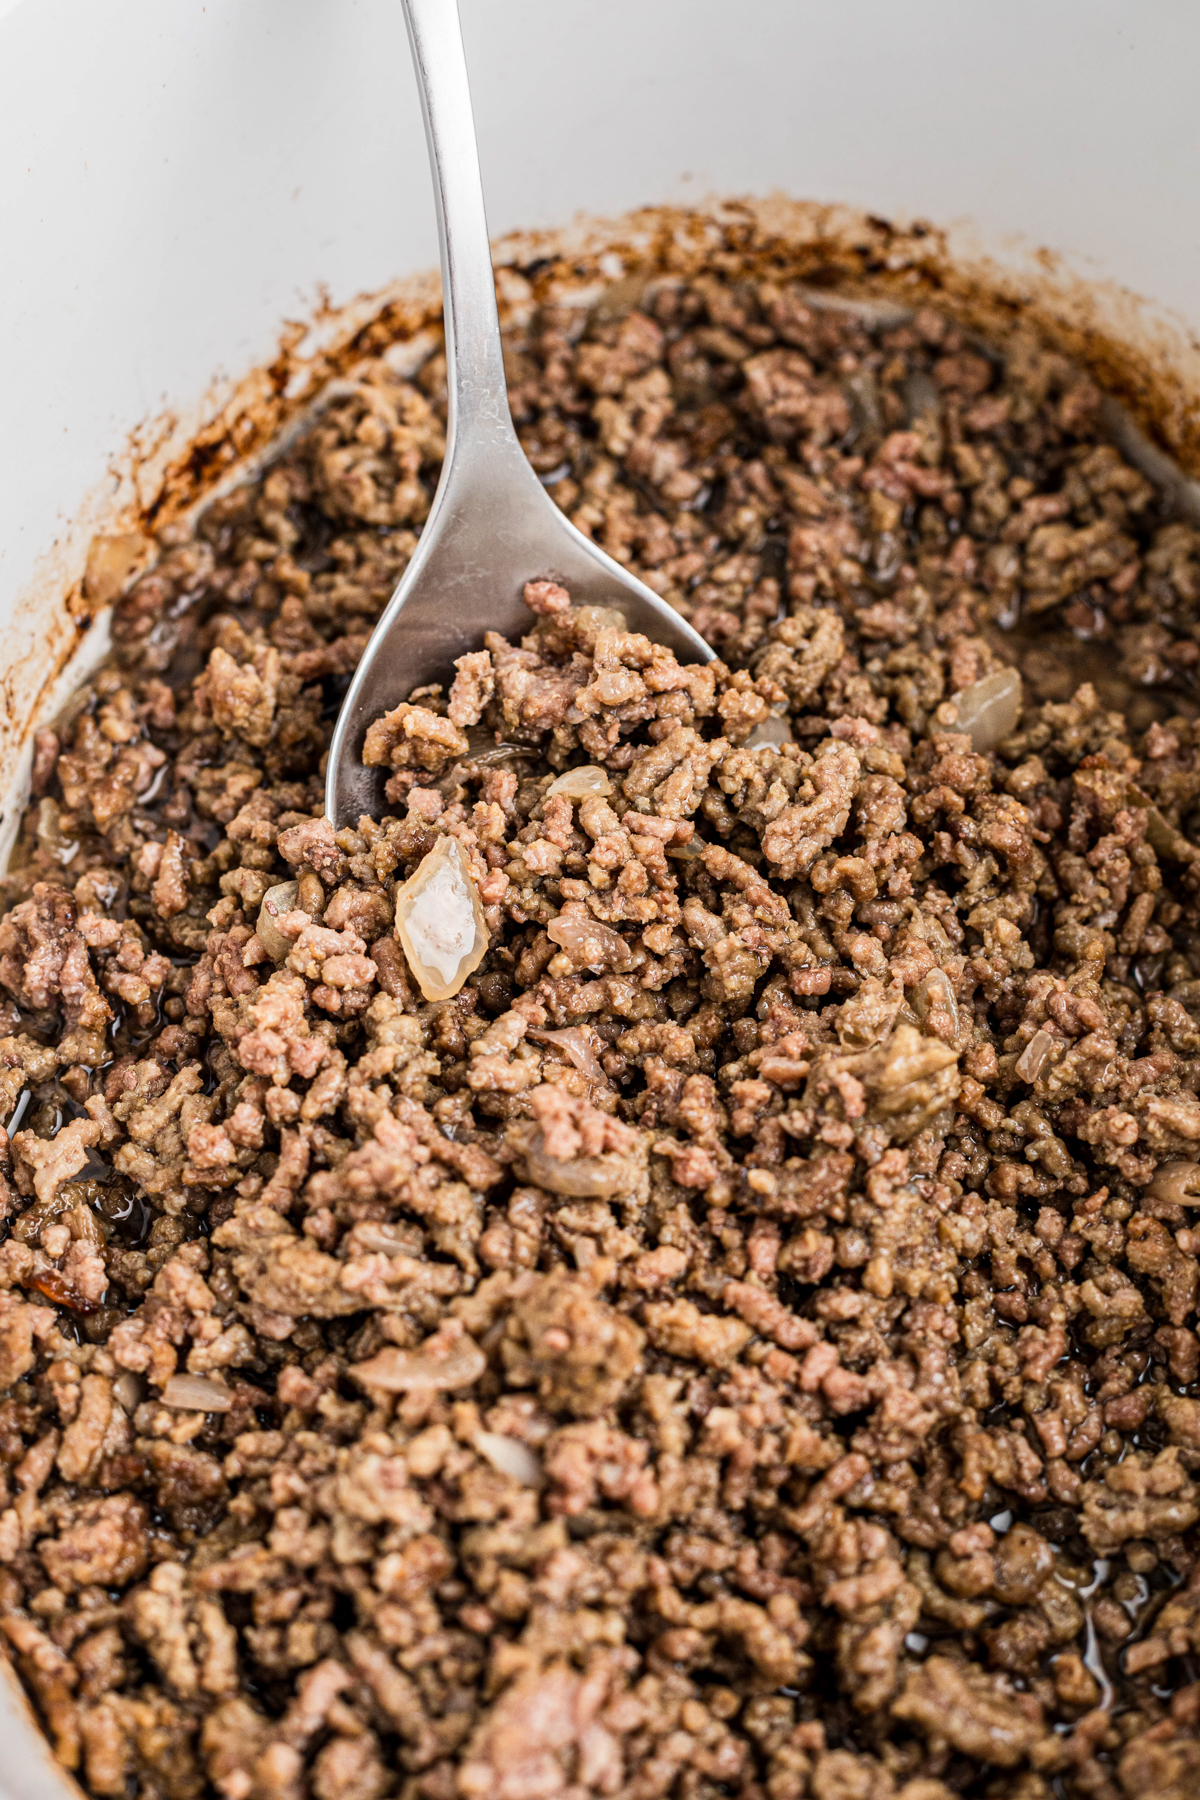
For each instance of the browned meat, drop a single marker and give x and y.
(742, 1338)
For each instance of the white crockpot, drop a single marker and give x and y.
(179, 179)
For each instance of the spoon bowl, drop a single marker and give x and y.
(492, 526)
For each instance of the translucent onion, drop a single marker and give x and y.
(988, 710)
(579, 784)
(275, 903)
(130, 1390)
(447, 1360)
(1033, 1057)
(935, 992)
(509, 1456)
(588, 943)
(440, 923)
(573, 1040)
(583, 1178)
(1177, 1182)
(196, 1393)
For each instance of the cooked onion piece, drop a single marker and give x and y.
(578, 784)
(584, 1178)
(1033, 1057)
(588, 943)
(196, 1393)
(989, 709)
(130, 1390)
(509, 1456)
(1178, 1182)
(275, 903)
(440, 923)
(447, 1360)
(573, 1040)
(934, 994)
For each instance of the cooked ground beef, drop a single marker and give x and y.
(743, 1340)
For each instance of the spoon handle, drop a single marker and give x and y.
(478, 395)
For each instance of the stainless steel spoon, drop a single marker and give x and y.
(492, 526)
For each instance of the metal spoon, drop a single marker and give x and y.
(492, 526)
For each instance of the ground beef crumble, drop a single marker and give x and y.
(744, 1342)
